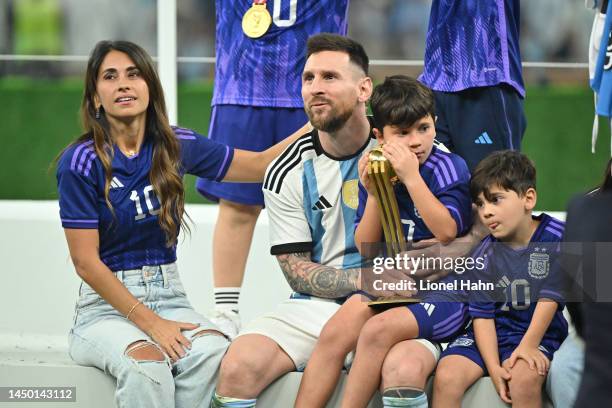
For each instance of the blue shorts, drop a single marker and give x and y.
(465, 345)
(477, 121)
(248, 128)
(440, 321)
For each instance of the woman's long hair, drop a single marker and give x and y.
(165, 166)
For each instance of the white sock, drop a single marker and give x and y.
(228, 402)
(226, 299)
(404, 397)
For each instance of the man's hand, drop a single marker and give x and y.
(305, 276)
(432, 248)
(390, 283)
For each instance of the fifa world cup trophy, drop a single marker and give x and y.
(383, 177)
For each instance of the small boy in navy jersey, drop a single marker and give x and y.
(517, 329)
(433, 200)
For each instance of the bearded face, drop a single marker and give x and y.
(329, 116)
(330, 89)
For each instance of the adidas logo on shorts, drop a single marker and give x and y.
(483, 139)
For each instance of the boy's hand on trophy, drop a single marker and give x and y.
(404, 162)
(364, 176)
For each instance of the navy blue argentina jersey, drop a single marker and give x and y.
(448, 178)
(266, 71)
(131, 237)
(522, 277)
(473, 43)
(311, 199)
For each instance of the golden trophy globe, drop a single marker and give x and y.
(383, 177)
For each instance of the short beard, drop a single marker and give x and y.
(330, 123)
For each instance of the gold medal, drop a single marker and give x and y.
(256, 20)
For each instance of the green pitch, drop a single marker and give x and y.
(39, 118)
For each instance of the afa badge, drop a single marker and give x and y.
(538, 264)
(350, 193)
(462, 342)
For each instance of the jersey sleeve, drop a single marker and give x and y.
(455, 196)
(77, 192)
(481, 303)
(203, 157)
(289, 228)
(363, 198)
(552, 286)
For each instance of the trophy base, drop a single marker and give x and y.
(390, 302)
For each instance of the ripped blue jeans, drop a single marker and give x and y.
(101, 337)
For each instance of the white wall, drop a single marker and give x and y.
(39, 285)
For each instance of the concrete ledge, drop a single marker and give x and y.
(40, 287)
(95, 389)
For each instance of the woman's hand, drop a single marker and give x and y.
(168, 335)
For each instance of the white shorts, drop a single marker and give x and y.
(296, 324)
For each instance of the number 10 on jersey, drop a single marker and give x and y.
(135, 197)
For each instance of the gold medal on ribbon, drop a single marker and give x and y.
(256, 20)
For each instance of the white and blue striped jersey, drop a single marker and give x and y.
(312, 201)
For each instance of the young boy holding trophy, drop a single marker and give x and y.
(429, 200)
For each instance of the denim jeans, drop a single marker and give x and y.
(101, 335)
(565, 372)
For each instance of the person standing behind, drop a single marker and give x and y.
(568, 371)
(260, 56)
(473, 64)
(588, 223)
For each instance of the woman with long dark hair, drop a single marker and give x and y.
(122, 206)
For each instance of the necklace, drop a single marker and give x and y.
(131, 153)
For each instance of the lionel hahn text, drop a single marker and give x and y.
(410, 285)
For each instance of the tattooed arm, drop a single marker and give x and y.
(309, 277)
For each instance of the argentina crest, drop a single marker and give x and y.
(462, 342)
(350, 193)
(538, 264)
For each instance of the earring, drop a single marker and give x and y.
(98, 113)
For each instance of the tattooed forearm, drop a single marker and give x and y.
(309, 277)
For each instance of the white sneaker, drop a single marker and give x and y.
(227, 321)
